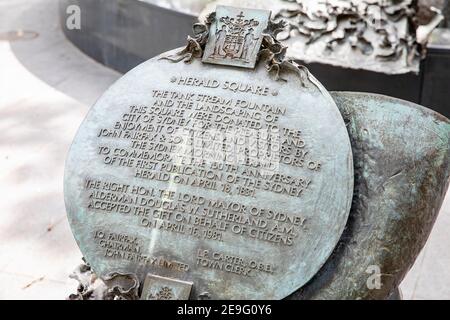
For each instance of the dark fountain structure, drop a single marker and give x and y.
(123, 34)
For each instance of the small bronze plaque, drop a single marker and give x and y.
(236, 36)
(162, 288)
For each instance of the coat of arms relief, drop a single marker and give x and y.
(237, 37)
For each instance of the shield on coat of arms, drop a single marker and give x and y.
(235, 36)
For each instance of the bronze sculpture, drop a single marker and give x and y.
(394, 203)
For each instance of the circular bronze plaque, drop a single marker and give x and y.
(212, 175)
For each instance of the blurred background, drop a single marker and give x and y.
(58, 57)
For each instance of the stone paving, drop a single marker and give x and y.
(46, 89)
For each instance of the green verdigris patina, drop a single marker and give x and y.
(401, 155)
(136, 219)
